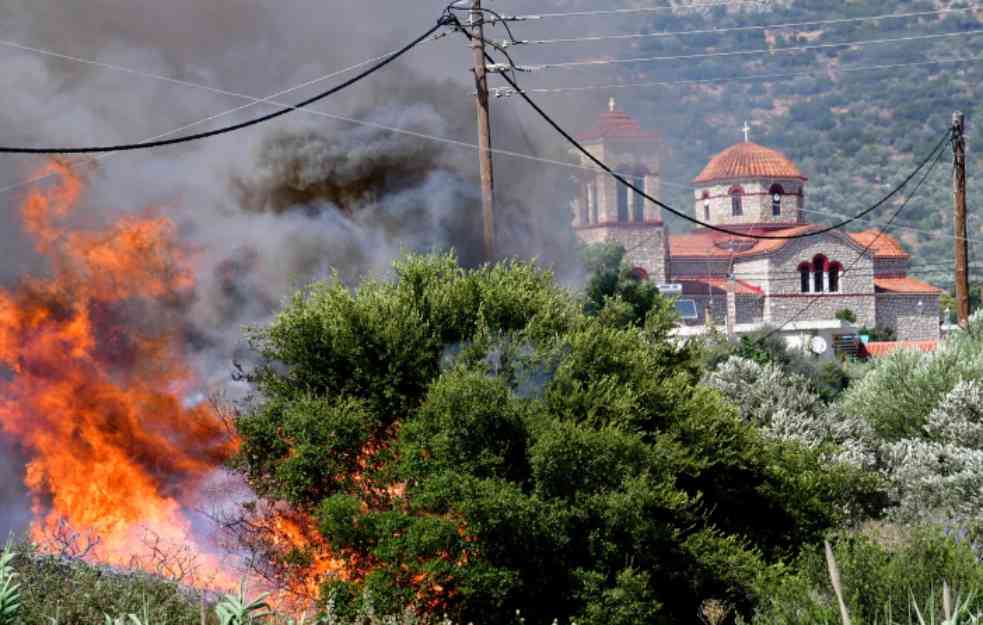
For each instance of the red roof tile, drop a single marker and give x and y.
(910, 286)
(617, 125)
(883, 245)
(748, 160)
(713, 244)
(880, 349)
(702, 286)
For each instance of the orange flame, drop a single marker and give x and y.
(95, 375)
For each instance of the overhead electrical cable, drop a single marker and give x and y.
(252, 101)
(898, 225)
(270, 100)
(734, 29)
(624, 181)
(731, 53)
(654, 9)
(227, 129)
(749, 78)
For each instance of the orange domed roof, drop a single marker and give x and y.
(748, 160)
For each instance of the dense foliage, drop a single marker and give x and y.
(474, 442)
(887, 573)
(55, 591)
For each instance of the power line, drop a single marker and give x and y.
(748, 78)
(272, 101)
(699, 5)
(252, 102)
(716, 31)
(898, 225)
(227, 129)
(570, 139)
(703, 55)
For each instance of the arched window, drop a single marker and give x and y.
(622, 203)
(776, 192)
(802, 198)
(834, 277)
(736, 205)
(819, 266)
(805, 272)
(639, 208)
(706, 206)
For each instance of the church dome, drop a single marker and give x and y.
(748, 160)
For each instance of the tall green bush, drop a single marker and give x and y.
(474, 441)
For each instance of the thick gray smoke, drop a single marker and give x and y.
(271, 208)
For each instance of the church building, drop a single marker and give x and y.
(741, 284)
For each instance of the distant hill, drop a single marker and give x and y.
(854, 133)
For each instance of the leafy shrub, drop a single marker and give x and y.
(827, 380)
(785, 408)
(901, 391)
(57, 591)
(881, 570)
(509, 447)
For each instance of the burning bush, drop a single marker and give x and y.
(471, 442)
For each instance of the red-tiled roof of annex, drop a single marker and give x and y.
(748, 160)
(617, 125)
(904, 286)
(713, 244)
(883, 245)
(703, 286)
(880, 349)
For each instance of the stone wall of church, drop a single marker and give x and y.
(645, 245)
(754, 271)
(786, 299)
(910, 321)
(755, 202)
(786, 309)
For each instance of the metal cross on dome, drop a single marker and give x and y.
(747, 132)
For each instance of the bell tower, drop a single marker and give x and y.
(605, 209)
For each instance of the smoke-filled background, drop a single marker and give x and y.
(271, 208)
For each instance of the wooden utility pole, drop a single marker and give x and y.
(959, 194)
(484, 130)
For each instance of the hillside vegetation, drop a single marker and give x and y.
(855, 134)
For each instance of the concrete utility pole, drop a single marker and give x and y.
(484, 130)
(959, 221)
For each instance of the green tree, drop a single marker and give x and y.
(611, 278)
(472, 442)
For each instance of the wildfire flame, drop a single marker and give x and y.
(93, 387)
